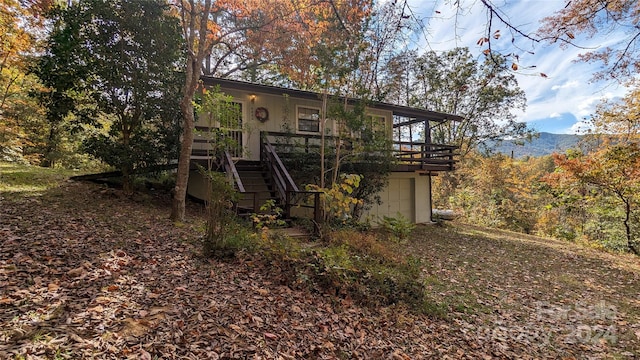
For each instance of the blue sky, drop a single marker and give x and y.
(556, 104)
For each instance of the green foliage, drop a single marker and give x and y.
(224, 237)
(483, 93)
(399, 227)
(112, 64)
(351, 265)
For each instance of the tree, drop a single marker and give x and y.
(208, 27)
(613, 167)
(123, 57)
(20, 25)
(499, 191)
(596, 17)
(224, 35)
(579, 17)
(614, 170)
(483, 93)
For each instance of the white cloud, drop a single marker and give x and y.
(567, 85)
(566, 89)
(579, 128)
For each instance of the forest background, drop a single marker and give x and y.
(82, 93)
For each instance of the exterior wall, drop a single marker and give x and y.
(282, 117)
(407, 193)
(197, 185)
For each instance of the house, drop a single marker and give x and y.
(269, 114)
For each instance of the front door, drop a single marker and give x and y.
(233, 131)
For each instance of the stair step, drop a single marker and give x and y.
(246, 165)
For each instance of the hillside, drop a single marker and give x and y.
(88, 273)
(545, 144)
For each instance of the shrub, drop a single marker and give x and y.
(224, 237)
(398, 227)
(269, 216)
(350, 265)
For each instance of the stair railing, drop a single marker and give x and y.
(231, 171)
(234, 179)
(284, 184)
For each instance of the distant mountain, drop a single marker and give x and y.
(545, 144)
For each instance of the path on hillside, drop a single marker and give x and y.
(86, 273)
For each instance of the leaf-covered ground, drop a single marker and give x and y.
(87, 273)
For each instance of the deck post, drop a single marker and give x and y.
(287, 205)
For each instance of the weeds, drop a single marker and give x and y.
(351, 264)
(399, 228)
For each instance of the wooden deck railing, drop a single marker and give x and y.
(432, 157)
(409, 155)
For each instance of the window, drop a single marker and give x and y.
(308, 119)
(378, 123)
(234, 132)
(375, 125)
(228, 119)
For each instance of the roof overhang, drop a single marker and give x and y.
(414, 114)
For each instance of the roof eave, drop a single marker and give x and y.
(399, 110)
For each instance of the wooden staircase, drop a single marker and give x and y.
(258, 187)
(267, 179)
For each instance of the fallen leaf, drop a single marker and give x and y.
(97, 309)
(263, 292)
(5, 301)
(144, 355)
(76, 272)
(53, 287)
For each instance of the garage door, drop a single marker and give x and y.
(401, 198)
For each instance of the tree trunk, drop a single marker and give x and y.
(47, 160)
(186, 106)
(198, 47)
(127, 168)
(627, 227)
(127, 184)
(182, 177)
